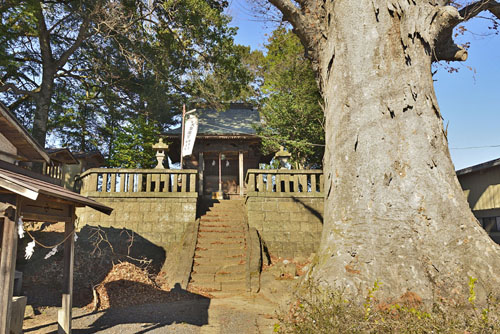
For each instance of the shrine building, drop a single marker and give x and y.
(226, 146)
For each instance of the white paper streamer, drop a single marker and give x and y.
(76, 237)
(29, 250)
(52, 252)
(20, 227)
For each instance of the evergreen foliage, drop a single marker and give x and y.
(92, 75)
(291, 107)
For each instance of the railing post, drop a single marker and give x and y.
(192, 183)
(260, 182)
(251, 181)
(104, 182)
(92, 182)
(183, 183)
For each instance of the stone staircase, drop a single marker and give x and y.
(221, 250)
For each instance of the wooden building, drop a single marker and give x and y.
(226, 146)
(481, 185)
(85, 161)
(29, 196)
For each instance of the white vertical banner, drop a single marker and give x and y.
(190, 131)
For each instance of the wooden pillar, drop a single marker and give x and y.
(242, 180)
(201, 165)
(220, 174)
(65, 313)
(7, 268)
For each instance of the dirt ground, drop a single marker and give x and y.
(116, 291)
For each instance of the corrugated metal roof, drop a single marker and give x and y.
(29, 187)
(237, 120)
(481, 166)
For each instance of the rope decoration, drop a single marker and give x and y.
(30, 247)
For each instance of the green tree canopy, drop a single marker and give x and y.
(88, 73)
(291, 109)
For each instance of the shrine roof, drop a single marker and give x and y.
(17, 135)
(237, 120)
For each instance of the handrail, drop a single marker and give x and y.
(284, 181)
(148, 182)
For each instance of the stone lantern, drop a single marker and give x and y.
(160, 148)
(282, 157)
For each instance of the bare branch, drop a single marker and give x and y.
(306, 26)
(447, 18)
(82, 34)
(475, 8)
(16, 90)
(14, 105)
(451, 52)
(290, 12)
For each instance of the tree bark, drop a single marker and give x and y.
(43, 101)
(394, 210)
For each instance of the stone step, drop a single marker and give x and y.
(221, 225)
(240, 285)
(221, 252)
(220, 235)
(226, 209)
(226, 220)
(215, 243)
(223, 212)
(208, 286)
(222, 230)
(219, 243)
(214, 269)
(218, 277)
(234, 285)
(203, 277)
(219, 261)
(222, 247)
(230, 277)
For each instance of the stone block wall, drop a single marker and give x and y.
(289, 225)
(161, 221)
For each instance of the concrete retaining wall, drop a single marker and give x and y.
(162, 221)
(289, 225)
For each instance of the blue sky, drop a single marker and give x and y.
(469, 99)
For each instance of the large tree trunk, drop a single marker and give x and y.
(394, 210)
(43, 101)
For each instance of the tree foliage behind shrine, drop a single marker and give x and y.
(290, 105)
(117, 71)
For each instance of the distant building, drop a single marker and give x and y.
(85, 161)
(226, 144)
(481, 185)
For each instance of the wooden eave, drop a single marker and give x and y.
(216, 136)
(31, 188)
(26, 145)
(62, 155)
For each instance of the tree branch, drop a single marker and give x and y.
(307, 28)
(82, 34)
(14, 105)
(447, 18)
(475, 8)
(16, 90)
(44, 37)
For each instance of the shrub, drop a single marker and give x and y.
(324, 310)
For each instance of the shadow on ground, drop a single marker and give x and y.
(96, 250)
(182, 307)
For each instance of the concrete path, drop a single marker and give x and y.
(241, 314)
